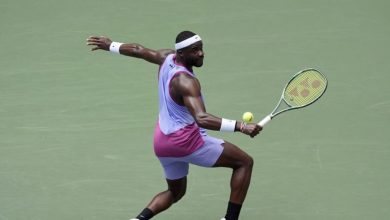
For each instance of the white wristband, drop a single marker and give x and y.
(228, 125)
(114, 47)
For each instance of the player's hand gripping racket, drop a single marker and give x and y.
(305, 87)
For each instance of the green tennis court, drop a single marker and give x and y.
(76, 126)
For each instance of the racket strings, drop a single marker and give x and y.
(305, 88)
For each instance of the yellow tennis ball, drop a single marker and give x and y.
(247, 117)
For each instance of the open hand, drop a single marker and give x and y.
(99, 43)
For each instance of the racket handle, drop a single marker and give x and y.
(265, 120)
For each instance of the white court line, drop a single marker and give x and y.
(318, 157)
(379, 104)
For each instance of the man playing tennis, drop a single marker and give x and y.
(180, 136)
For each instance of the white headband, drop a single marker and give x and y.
(187, 42)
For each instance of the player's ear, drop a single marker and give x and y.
(179, 52)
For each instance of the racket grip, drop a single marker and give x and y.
(265, 121)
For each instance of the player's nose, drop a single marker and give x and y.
(201, 53)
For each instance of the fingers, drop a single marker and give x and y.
(94, 41)
(254, 133)
(99, 43)
(253, 130)
(97, 46)
(258, 129)
(97, 39)
(93, 37)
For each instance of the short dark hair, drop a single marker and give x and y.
(184, 35)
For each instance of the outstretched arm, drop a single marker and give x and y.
(130, 49)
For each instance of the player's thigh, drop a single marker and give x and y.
(233, 157)
(174, 168)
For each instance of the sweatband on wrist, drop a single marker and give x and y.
(228, 125)
(187, 42)
(114, 47)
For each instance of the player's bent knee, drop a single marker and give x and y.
(177, 188)
(178, 196)
(245, 161)
(248, 162)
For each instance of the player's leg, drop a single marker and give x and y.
(242, 164)
(162, 201)
(218, 153)
(176, 173)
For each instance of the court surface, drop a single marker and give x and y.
(76, 126)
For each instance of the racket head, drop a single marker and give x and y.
(306, 87)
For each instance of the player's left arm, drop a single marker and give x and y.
(130, 49)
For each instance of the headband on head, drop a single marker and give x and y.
(187, 42)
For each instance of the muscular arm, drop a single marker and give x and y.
(130, 49)
(187, 89)
(138, 51)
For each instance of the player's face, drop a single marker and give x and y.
(194, 54)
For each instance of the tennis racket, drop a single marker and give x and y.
(305, 87)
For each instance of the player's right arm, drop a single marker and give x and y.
(130, 49)
(187, 89)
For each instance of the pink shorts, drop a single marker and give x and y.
(206, 156)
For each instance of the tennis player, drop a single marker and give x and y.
(180, 136)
